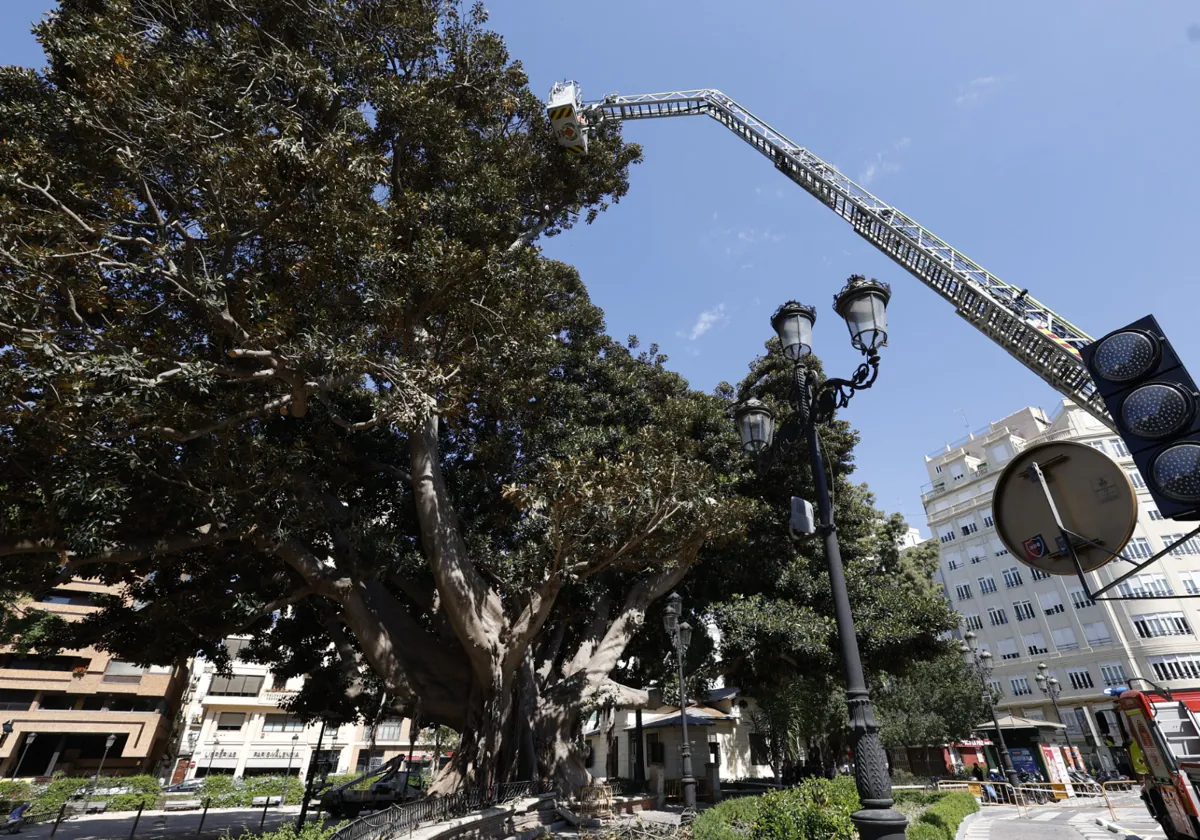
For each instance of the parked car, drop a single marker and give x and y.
(186, 786)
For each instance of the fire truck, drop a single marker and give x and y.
(1167, 733)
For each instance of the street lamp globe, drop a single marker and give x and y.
(1053, 683)
(863, 305)
(671, 616)
(1041, 680)
(756, 425)
(793, 323)
(685, 635)
(971, 640)
(109, 741)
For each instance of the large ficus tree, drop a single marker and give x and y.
(277, 354)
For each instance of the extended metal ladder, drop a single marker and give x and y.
(1029, 331)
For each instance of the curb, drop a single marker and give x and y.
(966, 821)
(1115, 829)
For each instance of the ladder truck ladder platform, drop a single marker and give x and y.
(1032, 333)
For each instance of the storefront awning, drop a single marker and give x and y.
(1012, 722)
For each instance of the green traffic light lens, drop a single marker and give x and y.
(1176, 472)
(1124, 356)
(1157, 410)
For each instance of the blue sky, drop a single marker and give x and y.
(1053, 143)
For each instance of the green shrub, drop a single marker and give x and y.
(918, 798)
(816, 809)
(14, 791)
(949, 812)
(925, 831)
(732, 819)
(227, 792)
(53, 795)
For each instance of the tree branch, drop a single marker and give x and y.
(474, 609)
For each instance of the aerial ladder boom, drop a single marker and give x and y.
(1031, 332)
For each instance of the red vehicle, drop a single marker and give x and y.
(1169, 737)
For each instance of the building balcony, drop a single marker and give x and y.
(269, 698)
(140, 728)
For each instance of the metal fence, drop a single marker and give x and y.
(407, 816)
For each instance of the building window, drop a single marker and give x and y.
(1080, 600)
(1191, 546)
(1138, 549)
(1155, 514)
(988, 522)
(1035, 643)
(1064, 639)
(996, 691)
(1023, 609)
(1118, 446)
(963, 591)
(1008, 649)
(969, 528)
(386, 730)
(282, 723)
(938, 469)
(1002, 552)
(1135, 478)
(1051, 603)
(1080, 678)
(997, 616)
(123, 672)
(1113, 674)
(1191, 582)
(1037, 574)
(972, 622)
(949, 536)
(230, 721)
(1012, 577)
(759, 754)
(236, 686)
(1145, 586)
(1176, 667)
(1152, 625)
(953, 563)
(977, 558)
(1020, 686)
(235, 647)
(1096, 633)
(987, 585)
(369, 760)
(1096, 444)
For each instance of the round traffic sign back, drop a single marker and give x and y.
(1093, 495)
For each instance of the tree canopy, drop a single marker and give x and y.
(279, 354)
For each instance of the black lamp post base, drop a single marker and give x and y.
(879, 824)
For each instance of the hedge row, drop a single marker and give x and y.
(816, 809)
(820, 809)
(145, 791)
(941, 820)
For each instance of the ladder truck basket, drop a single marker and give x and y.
(565, 109)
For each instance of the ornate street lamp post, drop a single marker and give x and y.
(982, 662)
(1052, 688)
(680, 634)
(863, 305)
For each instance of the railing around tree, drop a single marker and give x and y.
(408, 815)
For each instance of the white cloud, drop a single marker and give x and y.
(884, 163)
(751, 236)
(707, 320)
(974, 90)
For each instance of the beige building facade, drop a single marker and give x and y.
(63, 709)
(1025, 618)
(238, 725)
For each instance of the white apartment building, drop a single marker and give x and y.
(1025, 617)
(237, 725)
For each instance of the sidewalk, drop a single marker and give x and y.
(219, 822)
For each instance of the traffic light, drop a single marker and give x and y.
(1154, 401)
